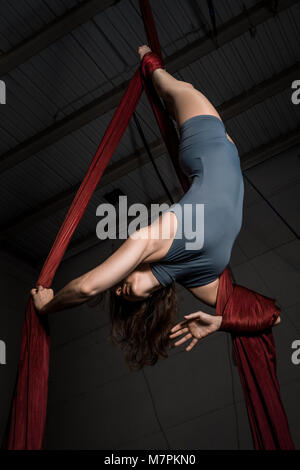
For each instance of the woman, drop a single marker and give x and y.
(140, 275)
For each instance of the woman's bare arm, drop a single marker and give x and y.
(147, 244)
(123, 261)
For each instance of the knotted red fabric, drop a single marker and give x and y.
(255, 354)
(151, 62)
(250, 316)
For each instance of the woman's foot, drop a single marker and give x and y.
(142, 50)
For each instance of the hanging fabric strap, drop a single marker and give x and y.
(250, 316)
(163, 119)
(147, 148)
(28, 413)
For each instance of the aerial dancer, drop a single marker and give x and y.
(141, 274)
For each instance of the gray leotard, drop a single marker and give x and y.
(208, 157)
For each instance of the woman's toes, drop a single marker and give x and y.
(142, 50)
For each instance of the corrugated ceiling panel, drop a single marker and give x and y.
(252, 59)
(90, 61)
(63, 164)
(264, 122)
(140, 186)
(20, 19)
(251, 129)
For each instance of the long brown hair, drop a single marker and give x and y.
(142, 328)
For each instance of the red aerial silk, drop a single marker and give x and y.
(28, 414)
(239, 306)
(249, 317)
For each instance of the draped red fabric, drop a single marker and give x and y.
(28, 413)
(250, 316)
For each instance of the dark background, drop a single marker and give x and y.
(65, 73)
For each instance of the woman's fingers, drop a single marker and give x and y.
(186, 338)
(192, 316)
(178, 333)
(192, 344)
(183, 340)
(177, 327)
(36, 290)
(143, 46)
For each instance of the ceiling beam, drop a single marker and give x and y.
(51, 33)
(64, 199)
(194, 51)
(228, 110)
(260, 92)
(270, 149)
(248, 160)
(235, 27)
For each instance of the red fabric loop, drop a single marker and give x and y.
(238, 319)
(151, 62)
(255, 355)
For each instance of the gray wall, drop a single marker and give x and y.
(191, 400)
(16, 279)
(96, 402)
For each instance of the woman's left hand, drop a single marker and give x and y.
(196, 325)
(41, 296)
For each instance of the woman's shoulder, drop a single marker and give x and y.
(161, 233)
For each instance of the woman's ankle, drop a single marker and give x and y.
(156, 77)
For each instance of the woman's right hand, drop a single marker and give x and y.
(41, 297)
(196, 325)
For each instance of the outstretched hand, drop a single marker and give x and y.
(195, 326)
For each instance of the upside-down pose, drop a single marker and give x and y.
(140, 275)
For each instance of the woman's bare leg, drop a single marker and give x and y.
(182, 99)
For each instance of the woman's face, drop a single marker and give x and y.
(136, 286)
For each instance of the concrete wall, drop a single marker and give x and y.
(95, 402)
(16, 279)
(191, 400)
